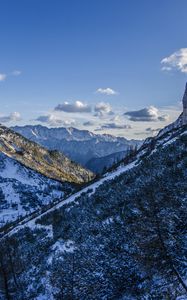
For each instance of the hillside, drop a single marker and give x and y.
(79, 145)
(116, 239)
(52, 164)
(100, 164)
(23, 190)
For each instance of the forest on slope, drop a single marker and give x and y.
(125, 240)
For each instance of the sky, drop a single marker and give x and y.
(108, 66)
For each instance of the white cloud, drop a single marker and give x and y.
(13, 117)
(106, 91)
(77, 107)
(13, 73)
(153, 131)
(16, 73)
(148, 114)
(163, 118)
(149, 131)
(102, 109)
(2, 77)
(177, 60)
(116, 118)
(54, 120)
(166, 68)
(88, 123)
(114, 126)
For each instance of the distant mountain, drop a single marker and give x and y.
(121, 237)
(52, 164)
(79, 145)
(100, 164)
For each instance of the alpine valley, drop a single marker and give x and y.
(120, 236)
(32, 177)
(94, 151)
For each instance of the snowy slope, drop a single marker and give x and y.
(109, 239)
(90, 189)
(23, 190)
(150, 146)
(120, 237)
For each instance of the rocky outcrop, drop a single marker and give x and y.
(184, 101)
(182, 119)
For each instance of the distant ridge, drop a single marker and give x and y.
(79, 145)
(52, 164)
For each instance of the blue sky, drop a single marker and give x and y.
(67, 53)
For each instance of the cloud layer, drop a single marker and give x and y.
(89, 123)
(16, 73)
(102, 109)
(152, 131)
(76, 107)
(177, 60)
(13, 73)
(114, 126)
(13, 117)
(2, 77)
(53, 120)
(106, 91)
(148, 114)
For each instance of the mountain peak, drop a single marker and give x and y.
(184, 101)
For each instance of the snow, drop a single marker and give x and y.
(184, 133)
(15, 181)
(34, 133)
(64, 246)
(90, 189)
(7, 215)
(48, 228)
(108, 221)
(170, 141)
(12, 170)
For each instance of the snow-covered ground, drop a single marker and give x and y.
(23, 190)
(11, 169)
(90, 189)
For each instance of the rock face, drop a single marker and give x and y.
(182, 119)
(184, 101)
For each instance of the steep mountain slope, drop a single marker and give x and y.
(122, 237)
(100, 164)
(23, 190)
(52, 164)
(78, 145)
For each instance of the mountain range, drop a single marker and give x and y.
(121, 236)
(81, 146)
(32, 176)
(53, 164)
(117, 238)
